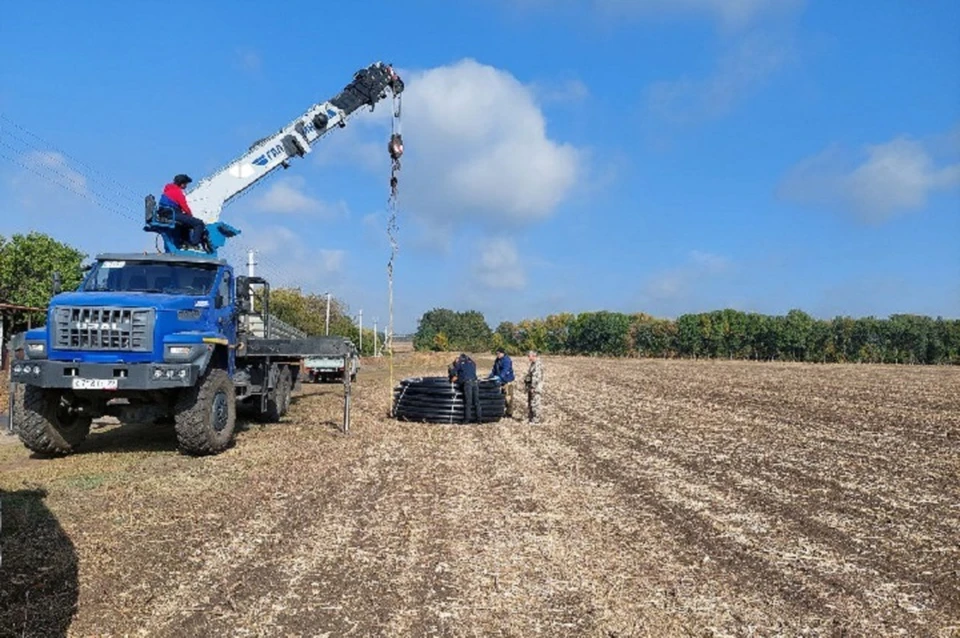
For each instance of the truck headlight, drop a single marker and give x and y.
(17, 368)
(36, 350)
(181, 353)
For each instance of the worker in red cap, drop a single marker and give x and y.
(174, 198)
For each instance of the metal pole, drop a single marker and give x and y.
(346, 394)
(361, 333)
(328, 314)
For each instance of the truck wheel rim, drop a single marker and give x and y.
(220, 411)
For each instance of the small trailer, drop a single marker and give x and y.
(327, 368)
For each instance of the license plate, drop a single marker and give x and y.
(94, 384)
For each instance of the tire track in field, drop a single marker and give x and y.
(705, 549)
(351, 565)
(385, 577)
(830, 494)
(241, 559)
(611, 444)
(670, 564)
(543, 552)
(928, 514)
(731, 485)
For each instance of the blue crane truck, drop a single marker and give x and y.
(149, 338)
(174, 336)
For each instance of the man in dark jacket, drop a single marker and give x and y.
(503, 370)
(465, 373)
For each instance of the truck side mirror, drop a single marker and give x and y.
(57, 284)
(149, 206)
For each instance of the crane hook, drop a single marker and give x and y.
(395, 146)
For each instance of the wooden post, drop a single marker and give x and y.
(346, 394)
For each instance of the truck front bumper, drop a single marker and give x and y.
(103, 376)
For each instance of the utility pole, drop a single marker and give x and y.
(328, 314)
(361, 332)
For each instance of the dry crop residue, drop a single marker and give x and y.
(659, 498)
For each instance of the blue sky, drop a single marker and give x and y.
(631, 155)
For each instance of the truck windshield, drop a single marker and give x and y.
(146, 276)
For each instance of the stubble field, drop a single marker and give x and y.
(659, 498)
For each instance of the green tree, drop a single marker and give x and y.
(432, 323)
(532, 335)
(557, 332)
(795, 337)
(603, 332)
(688, 336)
(471, 332)
(27, 264)
(507, 337)
(465, 331)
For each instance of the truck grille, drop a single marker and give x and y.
(104, 328)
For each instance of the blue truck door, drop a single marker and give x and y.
(223, 315)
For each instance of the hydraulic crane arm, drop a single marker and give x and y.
(368, 87)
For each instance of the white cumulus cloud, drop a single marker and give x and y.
(476, 149)
(287, 260)
(499, 266)
(478, 145)
(876, 184)
(286, 196)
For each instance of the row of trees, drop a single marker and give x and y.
(730, 334)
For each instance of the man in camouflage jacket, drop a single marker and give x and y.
(533, 382)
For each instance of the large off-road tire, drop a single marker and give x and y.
(45, 425)
(278, 401)
(206, 414)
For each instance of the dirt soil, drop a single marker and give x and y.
(659, 498)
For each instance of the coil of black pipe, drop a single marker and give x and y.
(436, 400)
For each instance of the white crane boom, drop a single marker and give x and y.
(368, 87)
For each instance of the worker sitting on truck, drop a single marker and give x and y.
(174, 199)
